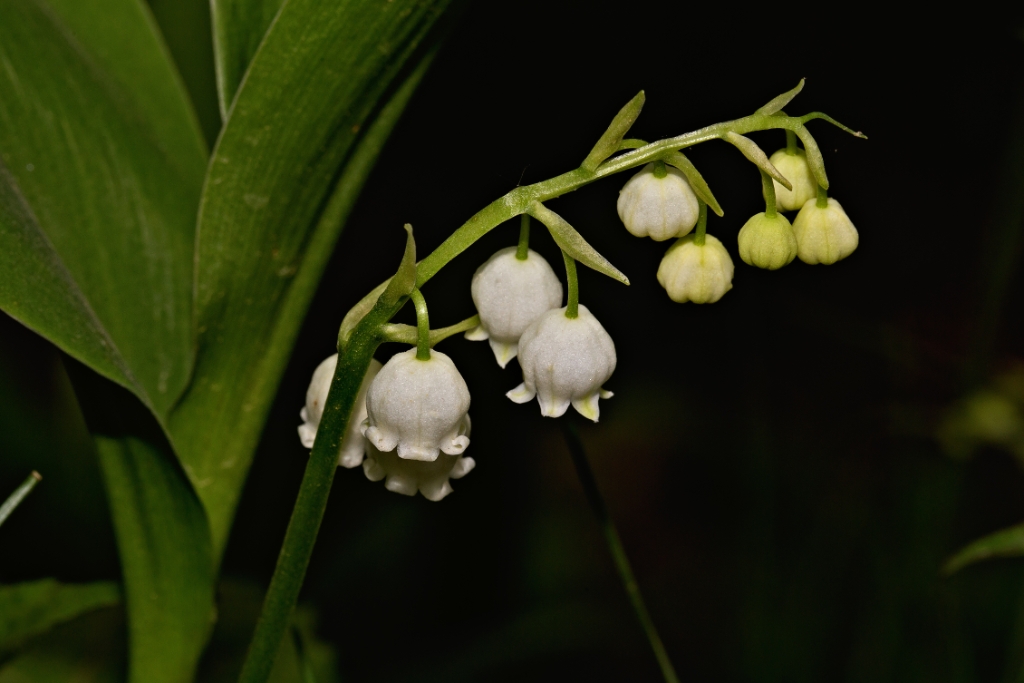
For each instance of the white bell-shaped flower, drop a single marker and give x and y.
(417, 406)
(795, 169)
(659, 208)
(509, 294)
(698, 273)
(409, 476)
(316, 396)
(565, 360)
(824, 234)
(767, 241)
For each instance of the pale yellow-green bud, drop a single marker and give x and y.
(701, 274)
(795, 169)
(824, 235)
(767, 242)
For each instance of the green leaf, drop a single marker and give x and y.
(756, 155)
(814, 158)
(30, 609)
(318, 101)
(696, 180)
(1005, 543)
(102, 168)
(573, 244)
(238, 29)
(89, 649)
(162, 534)
(782, 100)
(610, 141)
(404, 280)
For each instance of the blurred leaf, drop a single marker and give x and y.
(33, 608)
(89, 649)
(1006, 543)
(103, 165)
(318, 102)
(18, 495)
(238, 29)
(239, 603)
(162, 534)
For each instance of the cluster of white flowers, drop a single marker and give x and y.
(659, 203)
(410, 422)
(410, 425)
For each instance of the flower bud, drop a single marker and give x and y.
(824, 235)
(316, 396)
(767, 242)
(565, 360)
(659, 208)
(409, 476)
(509, 294)
(418, 406)
(797, 171)
(701, 274)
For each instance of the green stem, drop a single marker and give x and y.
(822, 201)
(312, 500)
(572, 306)
(611, 535)
(768, 188)
(422, 325)
(659, 169)
(791, 148)
(702, 223)
(14, 500)
(523, 250)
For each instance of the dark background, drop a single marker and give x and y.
(770, 459)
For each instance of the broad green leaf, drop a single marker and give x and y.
(304, 131)
(38, 290)
(162, 534)
(104, 165)
(1005, 543)
(30, 609)
(238, 29)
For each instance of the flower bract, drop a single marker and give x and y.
(698, 273)
(509, 294)
(418, 407)
(767, 241)
(316, 396)
(409, 476)
(565, 361)
(659, 208)
(795, 169)
(824, 234)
